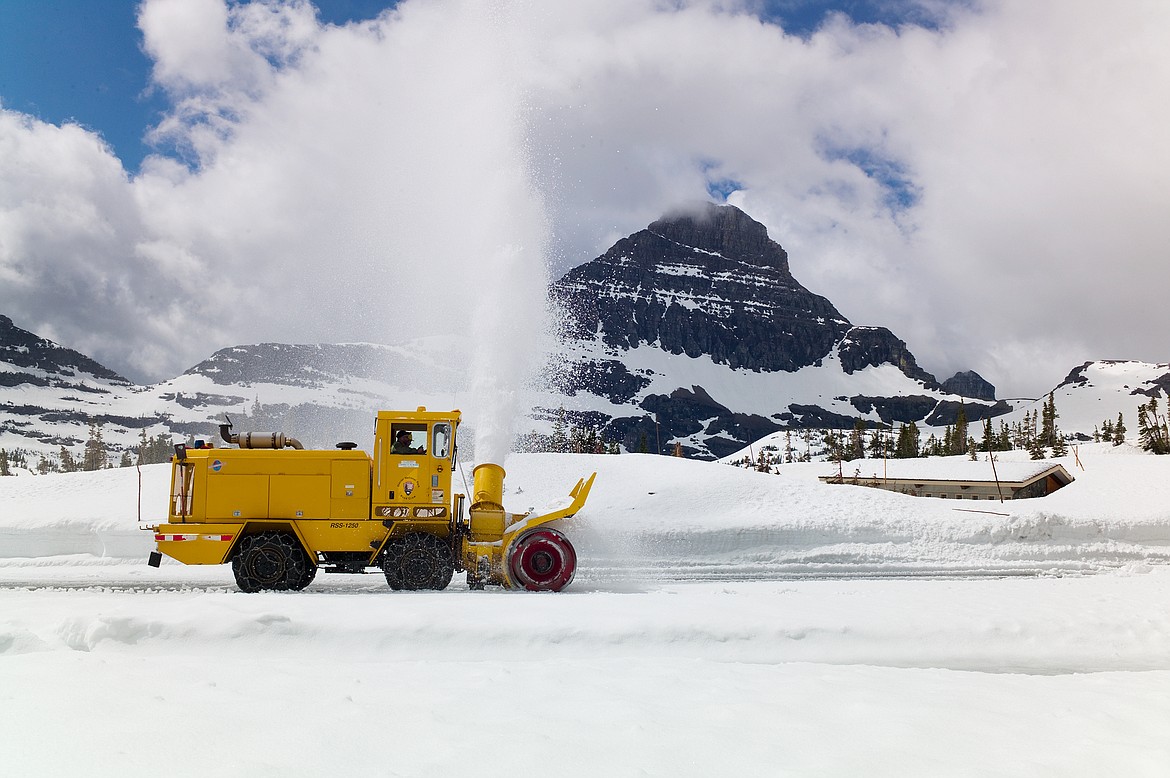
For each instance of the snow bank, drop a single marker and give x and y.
(666, 518)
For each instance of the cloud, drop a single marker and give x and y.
(992, 187)
(71, 268)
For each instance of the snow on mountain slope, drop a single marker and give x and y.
(324, 392)
(1096, 392)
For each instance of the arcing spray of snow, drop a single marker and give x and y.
(510, 319)
(419, 226)
(508, 333)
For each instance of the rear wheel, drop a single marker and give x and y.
(272, 560)
(418, 560)
(542, 560)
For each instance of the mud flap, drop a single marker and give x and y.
(155, 559)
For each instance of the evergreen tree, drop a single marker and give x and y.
(1005, 437)
(678, 452)
(1153, 434)
(1018, 439)
(4, 463)
(959, 440)
(989, 441)
(95, 457)
(1119, 431)
(589, 441)
(879, 444)
(856, 446)
(834, 447)
(560, 440)
(126, 461)
(906, 446)
(642, 444)
(152, 451)
(933, 447)
(1059, 447)
(1035, 449)
(788, 446)
(68, 463)
(1048, 422)
(900, 445)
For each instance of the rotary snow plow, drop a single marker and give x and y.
(280, 513)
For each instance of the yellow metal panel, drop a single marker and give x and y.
(349, 508)
(237, 496)
(299, 496)
(334, 535)
(350, 491)
(351, 479)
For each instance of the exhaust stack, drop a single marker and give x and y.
(257, 439)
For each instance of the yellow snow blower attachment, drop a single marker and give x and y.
(517, 550)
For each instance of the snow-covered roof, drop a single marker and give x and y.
(945, 469)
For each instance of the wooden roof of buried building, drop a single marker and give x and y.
(950, 469)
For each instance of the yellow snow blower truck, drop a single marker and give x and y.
(279, 513)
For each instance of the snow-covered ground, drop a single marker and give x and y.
(722, 622)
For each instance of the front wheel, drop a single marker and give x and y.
(272, 560)
(542, 560)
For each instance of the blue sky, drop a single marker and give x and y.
(82, 60)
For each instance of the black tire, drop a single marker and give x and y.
(272, 561)
(418, 560)
(306, 578)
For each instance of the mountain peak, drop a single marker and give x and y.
(968, 383)
(703, 281)
(25, 350)
(722, 230)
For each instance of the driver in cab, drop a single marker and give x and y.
(402, 444)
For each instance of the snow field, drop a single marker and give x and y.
(1038, 676)
(722, 622)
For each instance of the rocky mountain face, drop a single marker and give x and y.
(49, 393)
(33, 360)
(709, 288)
(704, 284)
(969, 384)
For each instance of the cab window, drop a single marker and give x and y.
(408, 439)
(441, 441)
